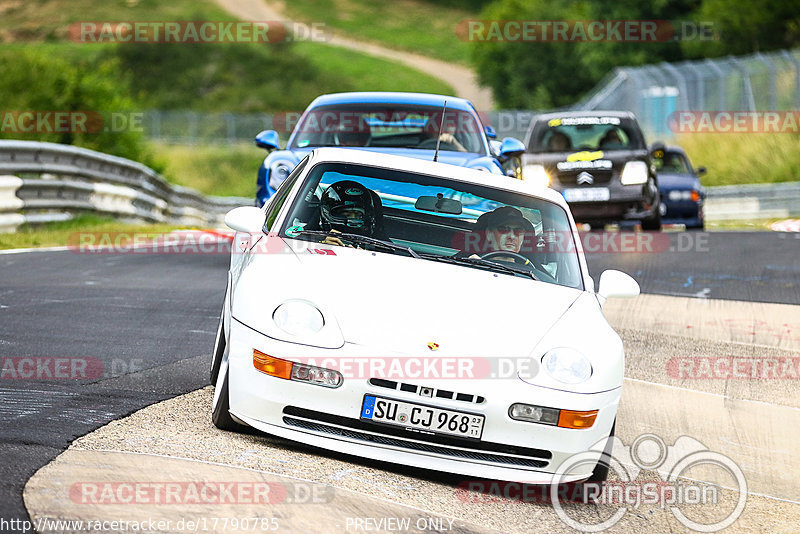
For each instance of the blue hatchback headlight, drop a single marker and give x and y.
(278, 172)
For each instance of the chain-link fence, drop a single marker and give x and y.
(760, 82)
(194, 127)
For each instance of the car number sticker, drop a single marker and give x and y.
(421, 417)
(589, 194)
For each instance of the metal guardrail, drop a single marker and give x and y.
(45, 182)
(753, 202)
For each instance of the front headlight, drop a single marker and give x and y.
(278, 172)
(536, 175)
(567, 365)
(634, 173)
(298, 318)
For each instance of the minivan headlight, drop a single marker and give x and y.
(634, 173)
(536, 174)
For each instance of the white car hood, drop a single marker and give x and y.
(399, 304)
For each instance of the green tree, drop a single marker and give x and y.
(540, 75)
(746, 26)
(34, 81)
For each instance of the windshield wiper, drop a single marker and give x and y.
(362, 240)
(480, 262)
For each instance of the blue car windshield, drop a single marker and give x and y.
(437, 218)
(389, 126)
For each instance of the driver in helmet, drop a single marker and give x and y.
(349, 207)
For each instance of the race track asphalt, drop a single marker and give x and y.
(150, 319)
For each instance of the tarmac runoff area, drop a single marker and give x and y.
(735, 408)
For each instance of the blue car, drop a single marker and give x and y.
(682, 196)
(406, 124)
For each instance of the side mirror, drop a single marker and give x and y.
(267, 139)
(494, 146)
(616, 284)
(701, 171)
(247, 219)
(490, 132)
(511, 147)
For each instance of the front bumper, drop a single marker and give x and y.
(329, 418)
(682, 212)
(625, 203)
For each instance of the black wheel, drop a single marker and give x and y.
(220, 408)
(219, 350)
(600, 473)
(652, 223)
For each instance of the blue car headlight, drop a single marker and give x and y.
(279, 170)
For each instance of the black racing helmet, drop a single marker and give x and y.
(347, 206)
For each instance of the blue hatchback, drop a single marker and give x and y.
(682, 196)
(406, 124)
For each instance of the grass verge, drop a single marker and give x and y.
(58, 234)
(732, 226)
(224, 170)
(233, 77)
(425, 27)
(733, 159)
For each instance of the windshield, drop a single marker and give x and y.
(431, 218)
(389, 126)
(671, 162)
(587, 133)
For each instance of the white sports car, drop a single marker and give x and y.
(422, 314)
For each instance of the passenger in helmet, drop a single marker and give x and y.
(349, 207)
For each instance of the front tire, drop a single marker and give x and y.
(220, 407)
(600, 473)
(219, 350)
(652, 224)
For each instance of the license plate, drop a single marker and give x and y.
(421, 417)
(587, 194)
